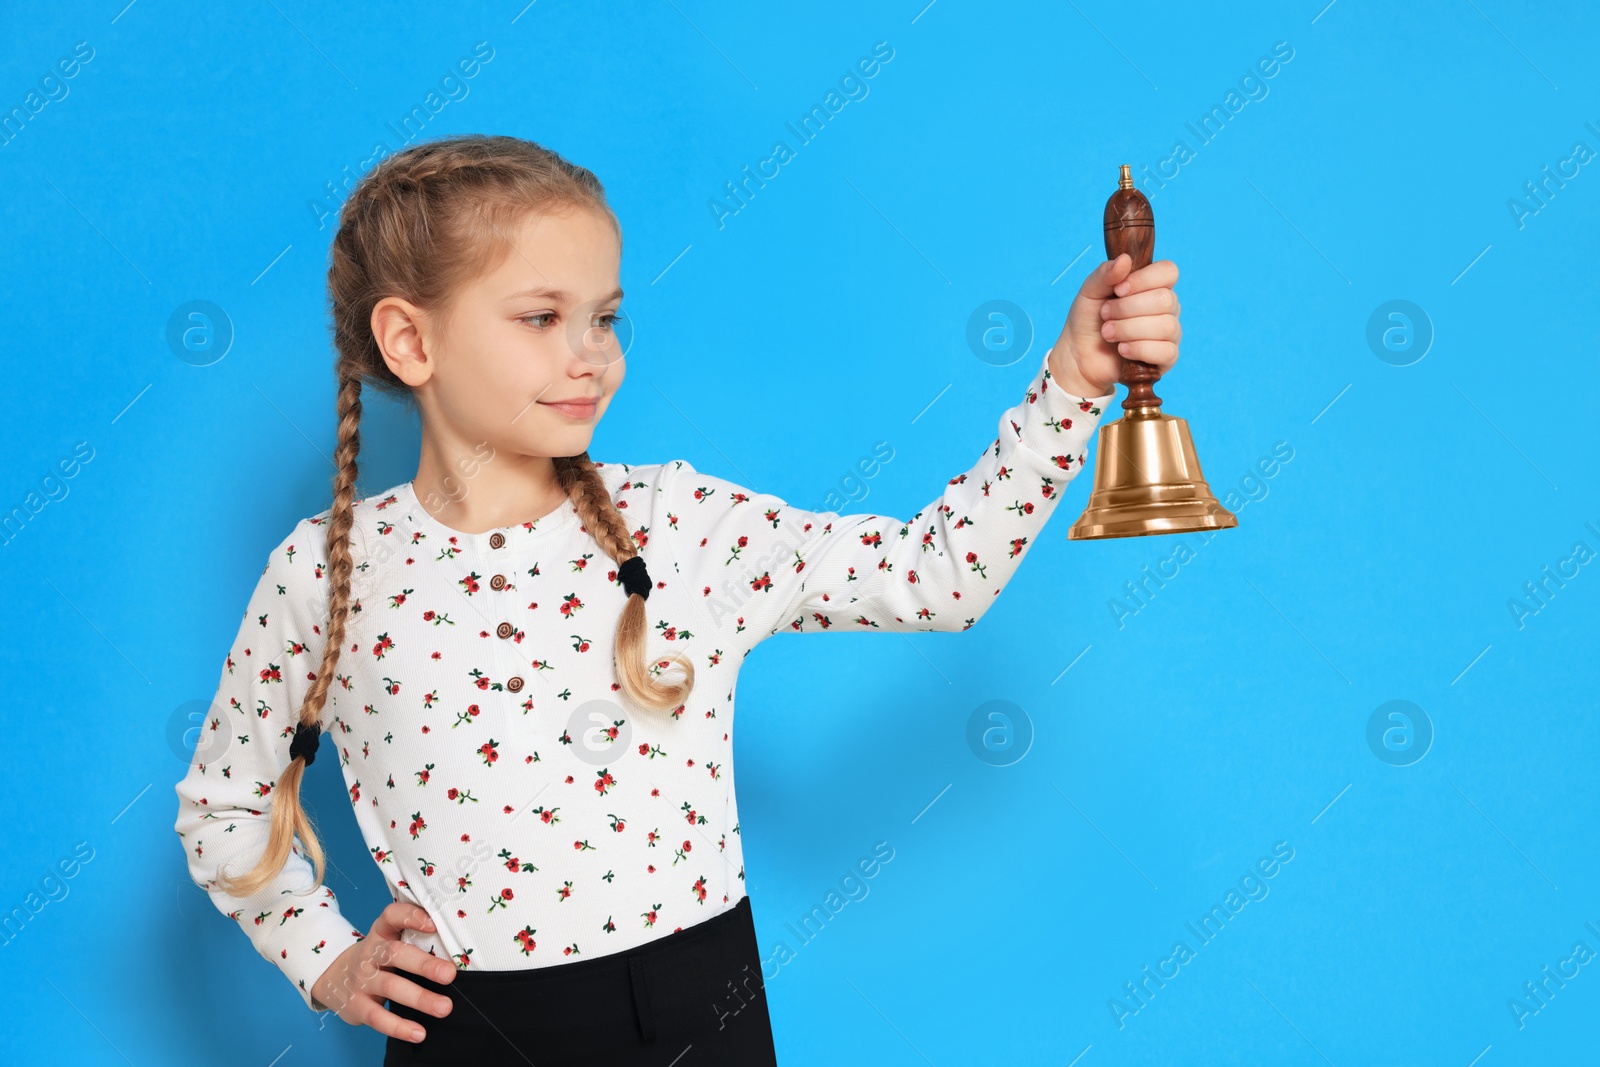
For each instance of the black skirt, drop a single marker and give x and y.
(694, 997)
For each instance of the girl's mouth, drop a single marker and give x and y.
(573, 409)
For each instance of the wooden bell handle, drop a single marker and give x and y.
(1131, 227)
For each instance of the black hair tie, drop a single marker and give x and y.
(635, 579)
(305, 740)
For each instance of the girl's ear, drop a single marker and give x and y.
(401, 331)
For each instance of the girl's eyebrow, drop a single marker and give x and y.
(558, 294)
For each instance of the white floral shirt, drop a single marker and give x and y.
(500, 776)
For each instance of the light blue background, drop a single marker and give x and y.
(1228, 714)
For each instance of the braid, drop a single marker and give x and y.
(289, 816)
(605, 524)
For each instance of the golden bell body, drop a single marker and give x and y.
(1147, 478)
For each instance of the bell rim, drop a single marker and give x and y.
(1152, 524)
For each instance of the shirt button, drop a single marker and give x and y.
(514, 685)
(497, 582)
(505, 629)
(497, 540)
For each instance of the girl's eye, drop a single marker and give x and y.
(608, 320)
(540, 315)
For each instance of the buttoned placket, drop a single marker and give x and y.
(502, 560)
(499, 557)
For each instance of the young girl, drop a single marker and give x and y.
(524, 660)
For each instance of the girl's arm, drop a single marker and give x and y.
(225, 800)
(763, 566)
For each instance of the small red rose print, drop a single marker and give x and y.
(482, 681)
(514, 865)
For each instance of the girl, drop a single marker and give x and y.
(525, 659)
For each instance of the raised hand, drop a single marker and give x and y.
(1118, 313)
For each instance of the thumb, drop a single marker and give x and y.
(1103, 280)
(399, 916)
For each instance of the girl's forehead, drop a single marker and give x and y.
(573, 256)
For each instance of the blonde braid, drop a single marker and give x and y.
(605, 524)
(289, 816)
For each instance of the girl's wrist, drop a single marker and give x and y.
(1064, 369)
(1074, 383)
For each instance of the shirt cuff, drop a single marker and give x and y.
(1053, 428)
(304, 947)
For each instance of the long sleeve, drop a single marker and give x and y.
(762, 566)
(225, 800)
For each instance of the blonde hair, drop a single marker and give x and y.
(422, 223)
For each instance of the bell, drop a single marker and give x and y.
(1147, 477)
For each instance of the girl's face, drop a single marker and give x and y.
(519, 362)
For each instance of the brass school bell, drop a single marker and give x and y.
(1147, 477)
